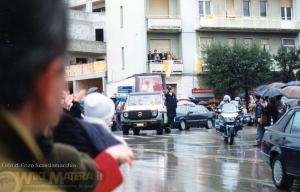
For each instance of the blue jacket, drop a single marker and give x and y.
(258, 110)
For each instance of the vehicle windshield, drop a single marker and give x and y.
(154, 99)
(229, 108)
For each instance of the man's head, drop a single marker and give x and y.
(32, 40)
(170, 89)
(257, 97)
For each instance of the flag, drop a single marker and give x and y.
(198, 65)
(168, 66)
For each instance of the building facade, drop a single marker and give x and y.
(86, 56)
(183, 27)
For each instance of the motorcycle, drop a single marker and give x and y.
(229, 122)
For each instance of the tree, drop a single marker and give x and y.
(288, 61)
(238, 67)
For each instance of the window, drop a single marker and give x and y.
(193, 109)
(288, 44)
(265, 44)
(286, 9)
(248, 42)
(182, 109)
(123, 58)
(296, 124)
(161, 45)
(205, 41)
(121, 17)
(99, 10)
(99, 35)
(263, 8)
(81, 60)
(231, 41)
(230, 12)
(246, 8)
(289, 126)
(204, 8)
(286, 13)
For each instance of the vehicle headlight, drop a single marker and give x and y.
(154, 113)
(229, 119)
(125, 114)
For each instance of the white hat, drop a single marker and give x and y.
(99, 106)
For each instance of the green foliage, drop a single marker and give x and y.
(287, 61)
(231, 68)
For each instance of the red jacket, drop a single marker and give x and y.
(111, 176)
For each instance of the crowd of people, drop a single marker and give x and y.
(161, 56)
(58, 141)
(266, 111)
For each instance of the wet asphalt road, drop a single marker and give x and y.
(196, 160)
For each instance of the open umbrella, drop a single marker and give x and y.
(261, 89)
(184, 99)
(292, 83)
(277, 85)
(203, 103)
(183, 102)
(291, 92)
(267, 91)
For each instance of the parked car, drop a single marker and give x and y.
(192, 115)
(281, 146)
(144, 111)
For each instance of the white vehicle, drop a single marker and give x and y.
(144, 111)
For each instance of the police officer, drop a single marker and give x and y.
(171, 104)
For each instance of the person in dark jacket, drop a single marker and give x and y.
(171, 104)
(85, 137)
(271, 111)
(259, 110)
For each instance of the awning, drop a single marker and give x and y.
(203, 95)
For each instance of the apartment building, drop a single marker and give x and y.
(184, 27)
(85, 59)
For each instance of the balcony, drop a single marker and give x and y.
(93, 17)
(158, 67)
(84, 46)
(167, 24)
(86, 71)
(258, 24)
(78, 3)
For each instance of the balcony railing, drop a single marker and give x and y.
(171, 23)
(251, 23)
(158, 67)
(83, 46)
(79, 70)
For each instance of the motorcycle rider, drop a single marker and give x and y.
(226, 99)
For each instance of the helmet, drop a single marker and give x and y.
(227, 98)
(237, 99)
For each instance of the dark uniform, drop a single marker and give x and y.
(171, 104)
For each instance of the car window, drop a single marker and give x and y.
(205, 110)
(193, 109)
(201, 109)
(296, 124)
(289, 126)
(181, 109)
